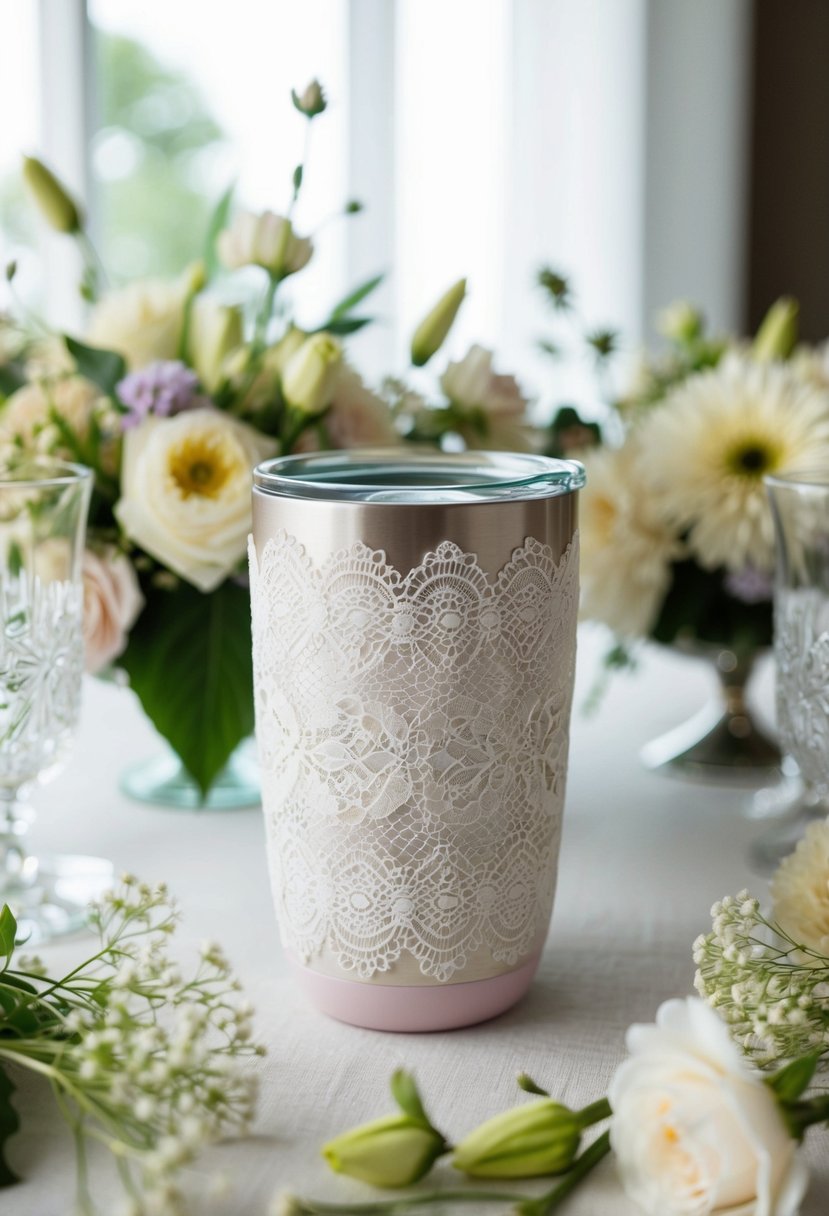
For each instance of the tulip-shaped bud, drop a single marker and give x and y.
(525, 1142)
(215, 332)
(310, 374)
(54, 201)
(680, 322)
(777, 336)
(392, 1152)
(432, 330)
(278, 356)
(311, 101)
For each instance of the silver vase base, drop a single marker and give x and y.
(52, 898)
(718, 746)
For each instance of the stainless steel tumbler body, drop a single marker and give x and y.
(414, 620)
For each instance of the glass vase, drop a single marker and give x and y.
(163, 780)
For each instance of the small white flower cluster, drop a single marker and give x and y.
(143, 1058)
(772, 991)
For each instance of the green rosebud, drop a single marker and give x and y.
(311, 101)
(432, 330)
(215, 332)
(777, 336)
(525, 1142)
(680, 322)
(310, 374)
(392, 1152)
(54, 201)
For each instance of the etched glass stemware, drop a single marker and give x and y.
(800, 508)
(43, 509)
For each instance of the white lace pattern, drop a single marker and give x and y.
(413, 733)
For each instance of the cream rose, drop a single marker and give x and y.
(26, 414)
(694, 1130)
(112, 601)
(472, 383)
(358, 417)
(186, 491)
(143, 321)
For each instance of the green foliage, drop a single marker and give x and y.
(189, 660)
(697, 607)
(219, 219)
(153, 218)
(569, 433)
(103, 367)
(791, 1082)
(8, 933)
(406, 1095)
(9, 1124)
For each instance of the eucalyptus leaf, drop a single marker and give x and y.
(103, 367)
(9, 1124)
(189, 661)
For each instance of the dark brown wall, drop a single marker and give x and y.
(788, 231)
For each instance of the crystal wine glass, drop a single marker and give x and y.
(43, 509)
(800, 508)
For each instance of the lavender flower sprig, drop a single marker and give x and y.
(140, 1057)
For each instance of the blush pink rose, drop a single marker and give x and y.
(112, 601)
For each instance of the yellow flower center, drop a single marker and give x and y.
(752, 457)
(198, 465)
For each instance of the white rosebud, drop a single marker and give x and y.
(310, 375)
(266, 240)
(311, 101)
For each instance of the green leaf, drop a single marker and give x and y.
(9, 1123)
(103, 367)
(341, 326)
(12, 377)
(791, 1082)
(529, 1086)
(8, 932)
(218, 221)
(189, 661)
(356, 296)
(297, 179)
(406, 1095)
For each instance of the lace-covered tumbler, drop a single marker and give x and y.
(414, 627)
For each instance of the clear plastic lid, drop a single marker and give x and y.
(410, 475)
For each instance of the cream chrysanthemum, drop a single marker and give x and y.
(706, 450)
(800, 890)
(626, 548)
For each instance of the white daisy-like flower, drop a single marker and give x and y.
(705, 451)
(800, 890)
(626, 547)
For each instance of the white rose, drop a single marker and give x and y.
(112, 601)
(143, 321)
(694, 1130)
(358, 417)
(186, 491)
(266, 240)
(471, 383)
(27, 413)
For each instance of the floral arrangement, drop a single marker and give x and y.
(707, 1112)
(141, 1059)
(676, 534)
(171, 398)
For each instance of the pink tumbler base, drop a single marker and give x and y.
(412, 1009)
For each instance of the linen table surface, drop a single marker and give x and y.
(643, 858)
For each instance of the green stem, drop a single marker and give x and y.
(581, 1168)
(390, 1207)
(802, 1115)
(595, 1112)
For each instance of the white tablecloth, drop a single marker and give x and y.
(643, 858)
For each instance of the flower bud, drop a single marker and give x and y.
(56, 205)
(525, 1142)
(310, 373)
(391, 1152)
(215, 331)
(432, 330)
(311, 101)
(680, 322)
(777, 335)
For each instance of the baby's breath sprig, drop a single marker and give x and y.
(772, 991)
(140, 1057)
